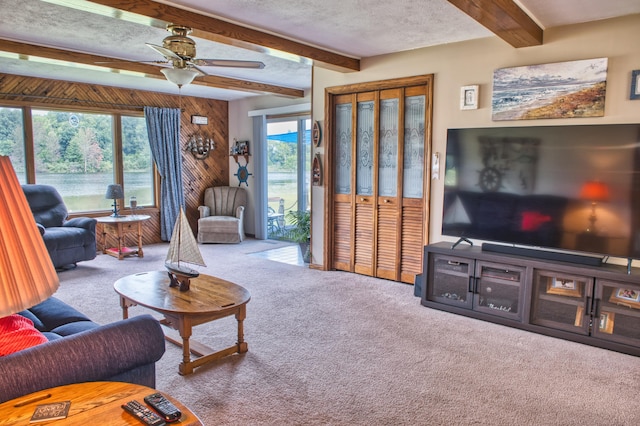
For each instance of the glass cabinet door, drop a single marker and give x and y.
(617, 312)
(450, 281)
(498, 289)
(561, 301)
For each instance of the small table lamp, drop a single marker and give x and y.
(27, 275)
(114, 192)
(594, 191)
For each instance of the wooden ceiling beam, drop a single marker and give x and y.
(222, 31)
(152, 71)
(505, 19)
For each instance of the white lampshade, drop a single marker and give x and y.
(27, 275)
(179, 76)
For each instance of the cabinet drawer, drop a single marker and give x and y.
(445, 265)
(129, 227)
(501, 274)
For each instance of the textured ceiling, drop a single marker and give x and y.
(355, 28)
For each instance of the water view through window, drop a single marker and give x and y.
(74, 152)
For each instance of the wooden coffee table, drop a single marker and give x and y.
(92, 403)
(208, 299)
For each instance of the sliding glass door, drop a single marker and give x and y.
(288, 177)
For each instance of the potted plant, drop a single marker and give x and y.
(300, 232)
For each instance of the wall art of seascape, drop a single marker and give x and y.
(558, 90)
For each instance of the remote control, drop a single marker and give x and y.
(164, 407)
(144, 414)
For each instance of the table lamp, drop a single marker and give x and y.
(114, 192)
(594, 191)
(27, 275)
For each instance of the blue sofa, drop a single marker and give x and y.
(79, 350)
(68, 241)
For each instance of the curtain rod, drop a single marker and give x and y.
(73, 100)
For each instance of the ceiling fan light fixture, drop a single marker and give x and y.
(179, 76)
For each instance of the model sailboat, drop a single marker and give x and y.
(183, 249)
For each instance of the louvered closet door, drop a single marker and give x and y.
(389, 185)
(365, 200)
(414, 202)
(378, 200)
(343, 234)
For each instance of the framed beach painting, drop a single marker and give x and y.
(559, 90)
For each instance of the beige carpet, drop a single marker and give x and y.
(332, 348)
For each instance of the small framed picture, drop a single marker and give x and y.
(606, 322)
(469, 97)
(240, 148)
(626, 297)
(564, 287)
(635, 85)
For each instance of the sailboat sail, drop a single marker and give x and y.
(183, 247)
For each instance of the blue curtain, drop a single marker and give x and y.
(163, 127)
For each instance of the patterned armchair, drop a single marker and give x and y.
(222, 215)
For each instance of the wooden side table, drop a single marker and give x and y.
(208, 299)
(92, 403)
(119, 228)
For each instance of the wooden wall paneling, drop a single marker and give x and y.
(197, 174)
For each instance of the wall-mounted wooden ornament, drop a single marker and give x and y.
(316, 135)
(316, 170)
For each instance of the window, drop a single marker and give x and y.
(137, 161)
(73, 152)
(12, 140)
(80, 153)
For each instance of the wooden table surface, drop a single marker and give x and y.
(208, 299)
(92, 403)
(206, 295)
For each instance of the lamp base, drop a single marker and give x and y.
(116, 212)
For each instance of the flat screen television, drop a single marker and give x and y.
(568, 188)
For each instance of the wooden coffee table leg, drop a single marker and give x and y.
(185, 367)
(240, 316)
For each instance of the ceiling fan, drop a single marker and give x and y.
(180, 51)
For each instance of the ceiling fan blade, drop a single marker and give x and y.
(169, 54)
(125, 61)
(200, 70)
(228, 63)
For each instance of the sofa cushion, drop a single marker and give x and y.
(219, 224)
(53, 313)
(74, 327)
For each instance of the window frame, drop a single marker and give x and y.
(118, 157)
